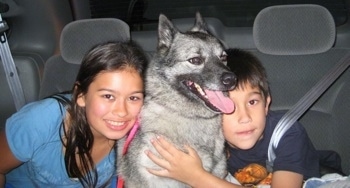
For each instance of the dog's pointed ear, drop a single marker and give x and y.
(166, 32)
(199, 25)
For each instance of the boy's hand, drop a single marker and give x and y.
(176, 164)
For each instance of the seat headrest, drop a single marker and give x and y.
(78, 37)
(294, 30)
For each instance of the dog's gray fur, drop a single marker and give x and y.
(172, 110)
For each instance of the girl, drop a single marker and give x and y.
(69, 140)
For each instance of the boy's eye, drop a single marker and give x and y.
(252, 102)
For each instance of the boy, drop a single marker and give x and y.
(247, 132)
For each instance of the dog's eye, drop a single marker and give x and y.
(195, 60)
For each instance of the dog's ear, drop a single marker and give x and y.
(199, 25)
(166, 33)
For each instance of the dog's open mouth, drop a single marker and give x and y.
(215, 100)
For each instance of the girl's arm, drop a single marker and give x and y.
(7, 160)
(184, 167)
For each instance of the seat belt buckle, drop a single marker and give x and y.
(3, 26)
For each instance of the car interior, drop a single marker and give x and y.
(297, 41)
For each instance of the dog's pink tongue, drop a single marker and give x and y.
(223, 103)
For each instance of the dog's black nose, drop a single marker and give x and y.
(229, 79)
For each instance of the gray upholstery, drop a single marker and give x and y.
(32, 39)
(310, 30)
(29, 69)
(80, 36)
(77, 38)
(296, 56)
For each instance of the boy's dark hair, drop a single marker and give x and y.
(248, 69)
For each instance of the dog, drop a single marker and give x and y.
(186, 86)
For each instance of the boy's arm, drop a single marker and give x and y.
(287, 179)
(184, 167)
(7, 159)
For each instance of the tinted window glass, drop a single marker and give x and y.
(143, 14)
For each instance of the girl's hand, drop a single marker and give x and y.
(182, 166)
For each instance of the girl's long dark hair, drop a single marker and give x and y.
(77, 136)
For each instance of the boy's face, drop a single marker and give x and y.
(244, 127)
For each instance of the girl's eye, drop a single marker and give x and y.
(135, 98)
(108, 96)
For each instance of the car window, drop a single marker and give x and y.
(143, 14)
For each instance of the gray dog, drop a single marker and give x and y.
(186, 92)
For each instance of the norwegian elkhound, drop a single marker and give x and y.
(186, 92)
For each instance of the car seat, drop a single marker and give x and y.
(296, 45)
(77, 38)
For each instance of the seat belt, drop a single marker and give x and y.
(302, 105)
(10, 68)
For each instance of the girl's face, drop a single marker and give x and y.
(245, 126)
(113, 102)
